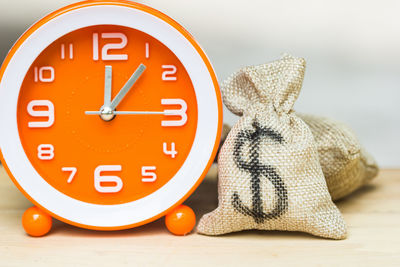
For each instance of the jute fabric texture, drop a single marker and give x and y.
(345, 163)
(269, 173)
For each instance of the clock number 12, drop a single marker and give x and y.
(108, 47)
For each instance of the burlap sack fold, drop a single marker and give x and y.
(269, 174)
(345, 163)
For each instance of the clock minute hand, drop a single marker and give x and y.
(128, 85)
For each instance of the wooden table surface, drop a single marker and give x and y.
(372, 214)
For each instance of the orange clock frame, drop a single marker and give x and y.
(171, 23)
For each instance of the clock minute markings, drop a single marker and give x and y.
(147, 50)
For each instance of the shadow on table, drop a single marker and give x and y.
(204, 200)
(350, 200)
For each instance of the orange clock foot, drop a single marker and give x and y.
(181, 220)
(36, 222)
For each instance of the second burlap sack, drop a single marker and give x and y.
(345, 163)
(270, 177)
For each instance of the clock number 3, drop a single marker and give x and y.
(181, 112)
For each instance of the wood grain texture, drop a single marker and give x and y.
(372, 214)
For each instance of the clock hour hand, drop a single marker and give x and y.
(128, 85)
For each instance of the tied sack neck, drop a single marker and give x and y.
(271, 88)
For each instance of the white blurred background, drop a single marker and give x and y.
(352, 50)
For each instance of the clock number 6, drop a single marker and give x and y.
(102, 182)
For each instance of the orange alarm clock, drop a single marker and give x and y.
(111, 116)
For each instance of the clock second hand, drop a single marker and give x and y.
(129, 112)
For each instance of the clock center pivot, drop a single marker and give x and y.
(107, 114)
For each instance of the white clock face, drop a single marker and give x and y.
(117, 115)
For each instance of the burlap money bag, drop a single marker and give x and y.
(345, 163)
(269, 174)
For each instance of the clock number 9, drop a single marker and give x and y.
(49, 113)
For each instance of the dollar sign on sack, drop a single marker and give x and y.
(257, 171)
